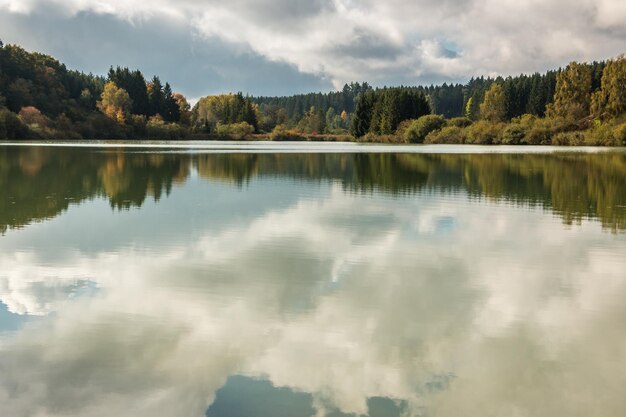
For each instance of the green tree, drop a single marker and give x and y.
(223, 109)
(171, 111)
(610, 100)
(135, 85)
(493, 107)
(156, 97)
(470, 109)
(330, 119)
(362, 115)
(572, 97)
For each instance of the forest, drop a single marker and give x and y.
(581, 104)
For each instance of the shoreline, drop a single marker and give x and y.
(259, 146)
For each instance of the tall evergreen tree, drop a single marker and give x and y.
(156, 97)
(171, 111)
(135, 84)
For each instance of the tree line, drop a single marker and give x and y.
(580, 104)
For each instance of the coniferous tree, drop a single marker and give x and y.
(362, 114)
(156, 97)
(135, 84)
(171, 111)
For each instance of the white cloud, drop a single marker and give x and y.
(393, 41)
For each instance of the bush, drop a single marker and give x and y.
(339, 132)
(541, 131)
(99, 126)
(418, 129)
(619, 132)
(235, 130)
(138, 124)
(539, 134)
(606, 134)
(375, 138)
(569, 138)
(513, 134)
(459, 122)
(484, 132)
(156, 128)
(328, 138)
(282, 134)
(447, 135)
(402, 128)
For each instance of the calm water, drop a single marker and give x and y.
(279, 282)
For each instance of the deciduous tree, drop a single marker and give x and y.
(610, 100)
(493, 107)
(572, 97)
(115, 103)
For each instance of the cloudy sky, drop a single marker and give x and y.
(274, 47)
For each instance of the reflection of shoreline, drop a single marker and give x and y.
(38, 183)
(255, 146)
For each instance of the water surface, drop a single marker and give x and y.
(286, 281)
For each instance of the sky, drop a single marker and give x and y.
(282, 47)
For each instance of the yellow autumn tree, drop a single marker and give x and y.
(493, 107)
(115, 103)
(183, 107)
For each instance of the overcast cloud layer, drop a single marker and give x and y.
(288, 46)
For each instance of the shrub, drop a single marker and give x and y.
(339, 132)
(574, 138)
(447, 135)
(484, 132)
(606, 134)
(418, 129)
(158, 129)
(542, 130)
(99, 126)
(282, 134)
(620, 134)
(235, 130)
(138, 125)
(513, 134)
(402, 128)
(459, 122)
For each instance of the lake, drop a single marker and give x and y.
(301, 280)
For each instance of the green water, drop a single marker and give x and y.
(331, 280)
